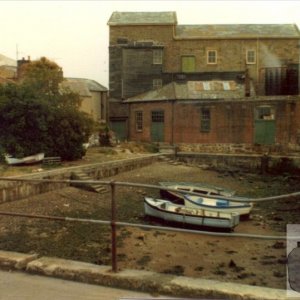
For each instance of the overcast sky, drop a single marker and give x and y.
(74, 34)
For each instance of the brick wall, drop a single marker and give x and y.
(232, 124)
(231, 53)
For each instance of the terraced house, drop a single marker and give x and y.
(220, 87)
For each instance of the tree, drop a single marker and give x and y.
(36, 115)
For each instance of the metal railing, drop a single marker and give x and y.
(114, 223)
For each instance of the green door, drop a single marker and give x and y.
(264, 125)
(264, 132)
(157, 126)
(120, 129)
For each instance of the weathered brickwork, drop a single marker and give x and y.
(232, 125)
(231, 54)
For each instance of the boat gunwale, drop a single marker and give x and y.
(216, 207)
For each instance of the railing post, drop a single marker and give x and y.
(113, 228)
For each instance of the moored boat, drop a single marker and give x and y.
(169, 211)
(215, 204)
(200, 188)
(25, 160)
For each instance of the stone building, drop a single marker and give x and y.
(93, 97)
(213, 86)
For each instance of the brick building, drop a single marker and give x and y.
(213, 86)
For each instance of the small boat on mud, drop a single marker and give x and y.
(169, 211)
(32, 159)
(200, 188)
(218, 205)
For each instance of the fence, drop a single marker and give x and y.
(114, 223)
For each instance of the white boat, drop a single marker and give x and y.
(25, 160)
(215, 204)
(200, 188)
(172, 212)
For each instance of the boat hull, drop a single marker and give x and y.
(181, 187)
(32, 159)
(212, 205)
(181, 214)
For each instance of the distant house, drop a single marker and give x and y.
(214, 87)
(93, 96)
(8, 69)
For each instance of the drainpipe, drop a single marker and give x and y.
(172, 123)
(257, 65)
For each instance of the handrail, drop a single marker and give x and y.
(122, 183)
(136, 225)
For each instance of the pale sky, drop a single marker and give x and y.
(74, 34)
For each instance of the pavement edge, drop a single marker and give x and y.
(139, 280)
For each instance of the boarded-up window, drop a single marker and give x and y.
(188, 64)
(251, 57)
(205, 120)
(157, 56)
(212, 57)
(157, 83)
(139, 121)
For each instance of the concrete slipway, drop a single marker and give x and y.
(136, 280)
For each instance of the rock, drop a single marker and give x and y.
(232, 264)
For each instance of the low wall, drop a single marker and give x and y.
(10, 190)
(236, 148)
(246, 162)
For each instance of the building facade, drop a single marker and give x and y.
(94, 97)
(207, 66)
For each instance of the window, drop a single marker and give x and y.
(251, 57)
(139, 121)
(188, 64)
(205, 120)
(157, 83)
(158, 116)
(157, 56)
(265, 113)
(211, 57)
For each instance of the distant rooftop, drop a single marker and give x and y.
(83, 86)
(237, 30)
(4, 60)
(142, 18)
(205, 31)
(194, 90)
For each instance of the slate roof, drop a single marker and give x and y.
(142, 18)
(194, 90)
(83, 86)
(238, 30)
(205, 31)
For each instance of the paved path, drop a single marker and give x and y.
(22, 286)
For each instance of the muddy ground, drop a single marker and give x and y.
(249, 261)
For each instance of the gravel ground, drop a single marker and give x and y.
(250, 261)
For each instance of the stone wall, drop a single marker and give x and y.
(15, 190)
